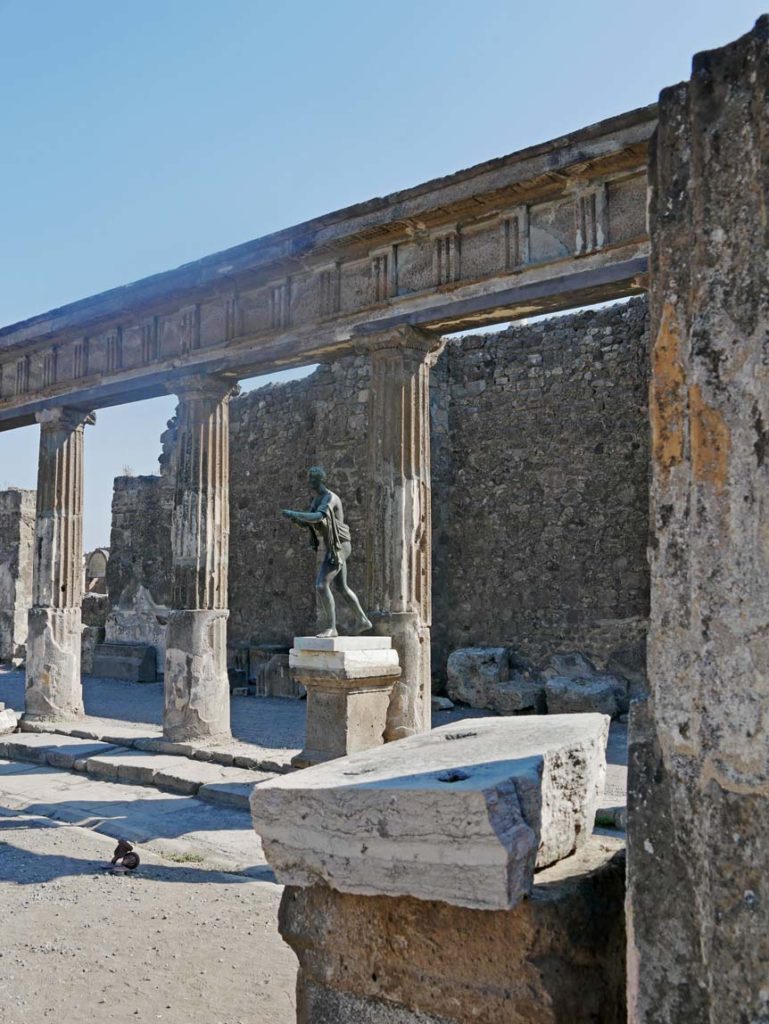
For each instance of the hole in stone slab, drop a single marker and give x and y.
(360, 771)
(453, 775)
(459, 735)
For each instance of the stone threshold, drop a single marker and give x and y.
(149, 738)
(225, 785)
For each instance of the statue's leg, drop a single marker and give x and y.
(326, 574)
(362, 622)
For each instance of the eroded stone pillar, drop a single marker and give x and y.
(54, 689)
(197, 693)
(698, 801)
(398, 539)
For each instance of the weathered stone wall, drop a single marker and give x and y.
(140, 540)
(276, 433)
(543, 493)
(698, 797)
(17, 536)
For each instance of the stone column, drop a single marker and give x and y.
(398, 536)
(54, 690)
(197, 693)
(698, 801)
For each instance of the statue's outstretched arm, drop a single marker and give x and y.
(302, 517)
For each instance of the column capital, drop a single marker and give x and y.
(205, 386)
(64, 418)
(405, 337)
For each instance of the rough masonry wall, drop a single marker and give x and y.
(542, 486)
(276, 434)
(140, 540)
(17, 537)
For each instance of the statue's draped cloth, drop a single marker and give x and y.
(333, 532)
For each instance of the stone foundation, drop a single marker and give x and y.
(556, 958)
(197, 689)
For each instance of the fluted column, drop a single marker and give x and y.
(54, 689)
(399, 532)
(197, 694)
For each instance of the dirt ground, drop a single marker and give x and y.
(176, 942)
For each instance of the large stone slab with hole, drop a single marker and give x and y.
(463, 814)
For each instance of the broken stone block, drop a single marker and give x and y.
(572, 665)
(473, 671)
(441, 704)
(139, 619)
(557, 957)
(9, 720)
(483, 677)
(567, 696)
(133, 662)
(463, 814)
(589, 691)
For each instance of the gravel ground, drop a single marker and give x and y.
(174, 942)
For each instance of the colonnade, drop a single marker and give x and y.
(196, 685)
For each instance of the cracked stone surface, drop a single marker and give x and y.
(463, 814)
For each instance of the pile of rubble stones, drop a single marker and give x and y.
(502, 680)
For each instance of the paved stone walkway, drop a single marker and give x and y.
(272, 724)
(266, 721)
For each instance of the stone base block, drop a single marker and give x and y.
(557, 958)
(463, 814)
(349, 682)
(54, 690)
(9, 720)
(197, 688)
(132, 662)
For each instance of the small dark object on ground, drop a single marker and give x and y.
(125, 858)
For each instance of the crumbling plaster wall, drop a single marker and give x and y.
(539, 465)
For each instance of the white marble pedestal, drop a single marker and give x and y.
(349, 680)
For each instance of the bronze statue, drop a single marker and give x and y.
(326, 524)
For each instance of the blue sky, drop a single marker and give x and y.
(143, 134)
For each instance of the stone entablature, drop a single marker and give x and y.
(555, 225)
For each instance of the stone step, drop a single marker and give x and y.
(214, 783)
(149, 738)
